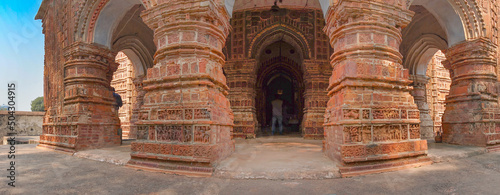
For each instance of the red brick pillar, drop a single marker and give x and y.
(185, 122)
(371, 121)
(472, 114)
(88, 118)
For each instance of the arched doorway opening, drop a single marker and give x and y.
(132, 39)
(422, 41)
(279, 75)
(437, 89)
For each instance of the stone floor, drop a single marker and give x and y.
(47, 172)
(279, 157)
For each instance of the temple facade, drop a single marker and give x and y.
(373, 79)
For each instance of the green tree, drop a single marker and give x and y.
(37, 104)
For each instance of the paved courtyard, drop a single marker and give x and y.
(46, 172)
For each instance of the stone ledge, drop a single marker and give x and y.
(379, 167)
(177, 172)
(172, 167)
(59, 149)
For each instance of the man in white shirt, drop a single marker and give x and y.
(277, 114)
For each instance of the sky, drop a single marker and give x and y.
(21, 52)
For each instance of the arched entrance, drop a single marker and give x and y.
(280, 79)
(279, 74)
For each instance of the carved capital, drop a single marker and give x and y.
(419, 80)
(377, 13)
(474, 57)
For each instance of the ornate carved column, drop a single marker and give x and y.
(472, 114)
(371, 121)
(89, 118)
(419, 95)
(185, 122)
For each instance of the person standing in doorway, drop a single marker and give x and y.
(277, 114)
(118, 103)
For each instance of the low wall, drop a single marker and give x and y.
(27, 123)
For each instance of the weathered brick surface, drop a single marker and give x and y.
(88, 119)
(185, 116)
(472, 109)
(371, 115)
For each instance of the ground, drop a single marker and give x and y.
(47, 172)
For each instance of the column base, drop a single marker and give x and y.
(360, 153)
(494, 148)
(365, 168)
(427, 132)
(178, 171)
(64, 150)
(471, 134)
(362, 159)
(176, 158)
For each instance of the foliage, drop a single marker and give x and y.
(37, 104)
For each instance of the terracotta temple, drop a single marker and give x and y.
(373, 79)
